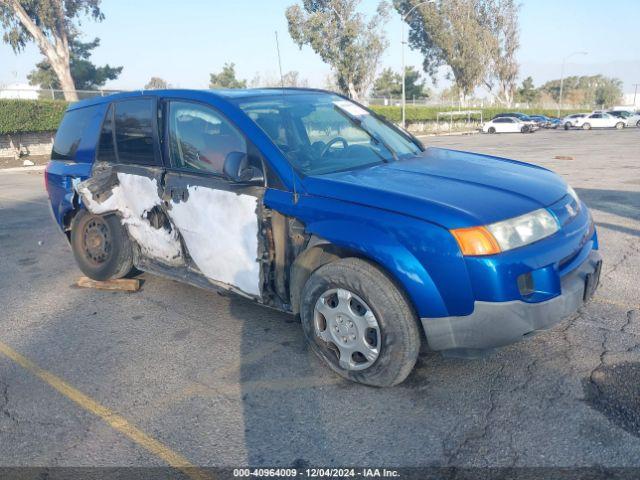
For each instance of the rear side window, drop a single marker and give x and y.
(70, 133)
(134, 124)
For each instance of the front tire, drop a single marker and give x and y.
(492, 130)
(619, 125)
(586, 126)
(359, 323)
(101, 246)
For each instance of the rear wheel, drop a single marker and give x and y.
(359, 323)
(101, 246)
(586, 126)
(638, 124)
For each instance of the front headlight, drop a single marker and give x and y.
(523, 230)
(506, 235)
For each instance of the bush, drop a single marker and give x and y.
(415, 114)
(21, 116)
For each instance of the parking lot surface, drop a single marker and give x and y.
(223, 382)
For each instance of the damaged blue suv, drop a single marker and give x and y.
(307, 202)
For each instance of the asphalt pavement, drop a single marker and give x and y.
(219, 381)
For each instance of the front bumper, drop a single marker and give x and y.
(494, 324)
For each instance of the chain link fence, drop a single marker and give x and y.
(50, 94)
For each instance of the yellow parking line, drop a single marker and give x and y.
(116, 421)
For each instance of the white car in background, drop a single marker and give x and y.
(631, 119)
(506, 125)
(599, 120)
(570, 120)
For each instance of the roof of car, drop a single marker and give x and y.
(220, 93)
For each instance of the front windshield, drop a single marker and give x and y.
(324, 133)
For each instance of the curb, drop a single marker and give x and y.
(447, 134)
(34, 168)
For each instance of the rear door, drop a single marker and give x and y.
(218, 220)
(127, 178)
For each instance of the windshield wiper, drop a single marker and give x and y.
(374, 137)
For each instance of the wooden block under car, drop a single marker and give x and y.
(122, 284)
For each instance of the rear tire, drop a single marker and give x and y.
(586, 126)
(394, 348)
(638, 124)
(101, 246)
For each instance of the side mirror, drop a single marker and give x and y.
(237, 169)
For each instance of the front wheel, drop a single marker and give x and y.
(638, 124)
(101, 246)
(586, 126)
(359, 323)
(491, 130)
(619, 125)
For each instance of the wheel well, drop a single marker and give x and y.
(67, 220)
(316, 255)
(320, 252)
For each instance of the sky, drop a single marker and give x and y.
(184, 41)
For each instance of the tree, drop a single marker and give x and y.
(226, 78)
(455, 33)
(343, 39)
(156, 83)
(527, 93)
(85, 75)
(290, 79)
(389, 84)
(503, 70)
(587, 89)
(609, 92)
(50, 24)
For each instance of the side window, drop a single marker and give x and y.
(134, 122)
(70, 133)
(106, 150)
(201, 138)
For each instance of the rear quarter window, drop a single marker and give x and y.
(75, 126)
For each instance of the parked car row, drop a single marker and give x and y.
(515, 122)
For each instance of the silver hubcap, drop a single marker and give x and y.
(348, 327)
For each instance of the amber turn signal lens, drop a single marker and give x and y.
(476, 241)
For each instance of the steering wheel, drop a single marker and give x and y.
(331, 143)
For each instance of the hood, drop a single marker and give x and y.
(451, 188)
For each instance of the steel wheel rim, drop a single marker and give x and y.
(96, 241)
(347, 328)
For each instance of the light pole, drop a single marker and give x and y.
(562, 77)
(402, 42)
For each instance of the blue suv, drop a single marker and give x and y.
(307, 202)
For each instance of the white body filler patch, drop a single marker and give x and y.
(220, 231)
(133, 198)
